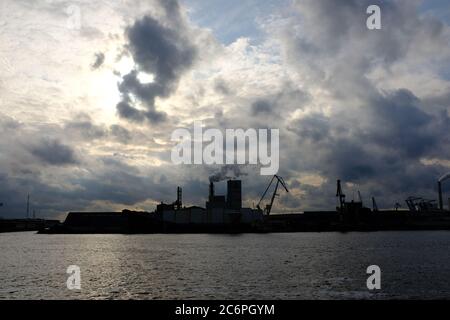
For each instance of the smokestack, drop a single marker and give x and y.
(441, 204)
(234, 194)
(28, 206)
(211, 192)
(179, 198)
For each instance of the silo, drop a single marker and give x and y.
(234, 194)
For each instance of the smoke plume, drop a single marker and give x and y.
(227, 172)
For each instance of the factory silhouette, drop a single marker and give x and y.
(226, 214)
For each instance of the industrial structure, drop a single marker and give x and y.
(226, 214)
(440, 182)
(219, 210)
(269, 206)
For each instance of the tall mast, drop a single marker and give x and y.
(28, 206)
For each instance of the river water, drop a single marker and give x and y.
(249, 266)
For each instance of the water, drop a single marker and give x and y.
(251, 266)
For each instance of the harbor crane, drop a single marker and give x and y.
(360, 197)
(340, 195)
(374, 205)
(268, 207)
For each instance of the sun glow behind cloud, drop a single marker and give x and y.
(104, 95)
(145, 78)
(124, 66)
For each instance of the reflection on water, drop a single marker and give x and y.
(270, 266)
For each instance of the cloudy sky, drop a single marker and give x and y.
(90, 92)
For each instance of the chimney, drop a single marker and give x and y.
(211, 192)
(441, 205)
(28, 206)
(234, 194)
(179, 198)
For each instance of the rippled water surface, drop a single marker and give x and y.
(269, 266)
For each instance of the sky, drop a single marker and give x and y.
(90, 93)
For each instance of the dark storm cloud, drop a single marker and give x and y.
(125, 110)
(120, 133)
(160, 50)
(109, 182)
(396, 127)
(400, 124)
(373, 137)
(118, 182)
(85, 128)
(349, 160)
(272, 109)
(339, 50)
(42, 168)
(53, 152)
(314, 127)
(119, 187)
(383, 155)
(99, 60)
(145, 93)
(163, 50)
(344, 21)
(82, 128)
(261, 106)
